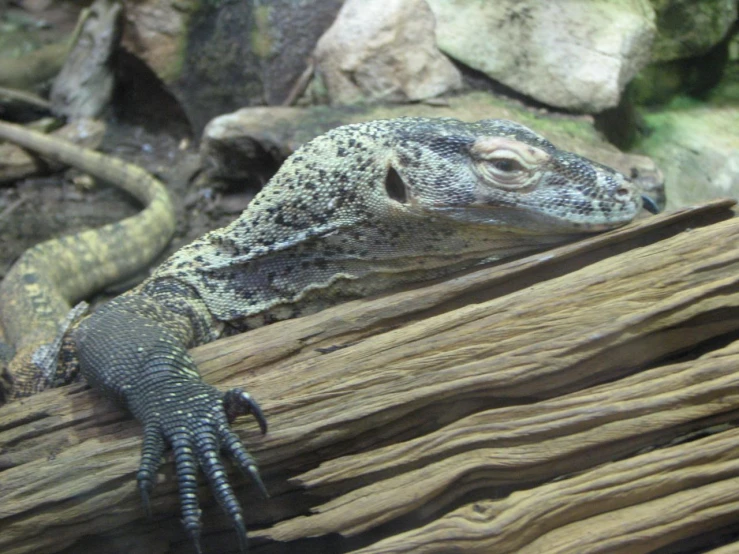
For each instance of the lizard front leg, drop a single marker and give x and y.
(127, 351)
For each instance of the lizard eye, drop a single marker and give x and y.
(506, 165)
(507, 171)
(395, 187)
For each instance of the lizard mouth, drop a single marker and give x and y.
(526, 221)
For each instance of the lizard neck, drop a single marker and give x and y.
(247, 286)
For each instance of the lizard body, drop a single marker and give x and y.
(40, 288)
(358, 210)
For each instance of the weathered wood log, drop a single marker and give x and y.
(450, 416)
(516, 446)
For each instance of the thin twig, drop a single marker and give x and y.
(301, 84)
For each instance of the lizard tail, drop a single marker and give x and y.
(49, 278)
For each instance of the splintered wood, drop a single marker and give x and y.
(583, 399)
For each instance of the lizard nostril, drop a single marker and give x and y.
(623, 191)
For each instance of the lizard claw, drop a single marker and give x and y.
(649, 204)
(192, 530)
(239, 402)
(241, 534)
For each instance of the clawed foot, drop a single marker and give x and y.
(195, 423)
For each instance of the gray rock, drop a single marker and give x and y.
(689, 55)
(84, 86)
(698, 151)
(573, 55)
(229, 152)
(290, 31)
(688, 28)
(235, 144)
(726, 91)
(216, 57)
(383, 50)
(660, 82)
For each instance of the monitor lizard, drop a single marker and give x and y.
(43, 284)
(364, 208)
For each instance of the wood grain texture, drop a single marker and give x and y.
(539, 405)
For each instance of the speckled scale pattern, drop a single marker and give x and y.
(358, 210)
(324, 229)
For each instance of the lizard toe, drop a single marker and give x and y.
(151, 458)
(208, 454)
(247, 464)
(186, 467)
(193, 533)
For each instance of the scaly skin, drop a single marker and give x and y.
(39, 290)
(360, 209)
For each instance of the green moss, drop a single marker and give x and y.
(686, 117)
(657, 83)
(261, 38)
(20, 34)
(688, 28)
(174, 70)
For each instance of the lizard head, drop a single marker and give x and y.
(372, 205)
(500, 173)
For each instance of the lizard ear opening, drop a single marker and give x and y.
(395, 187)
